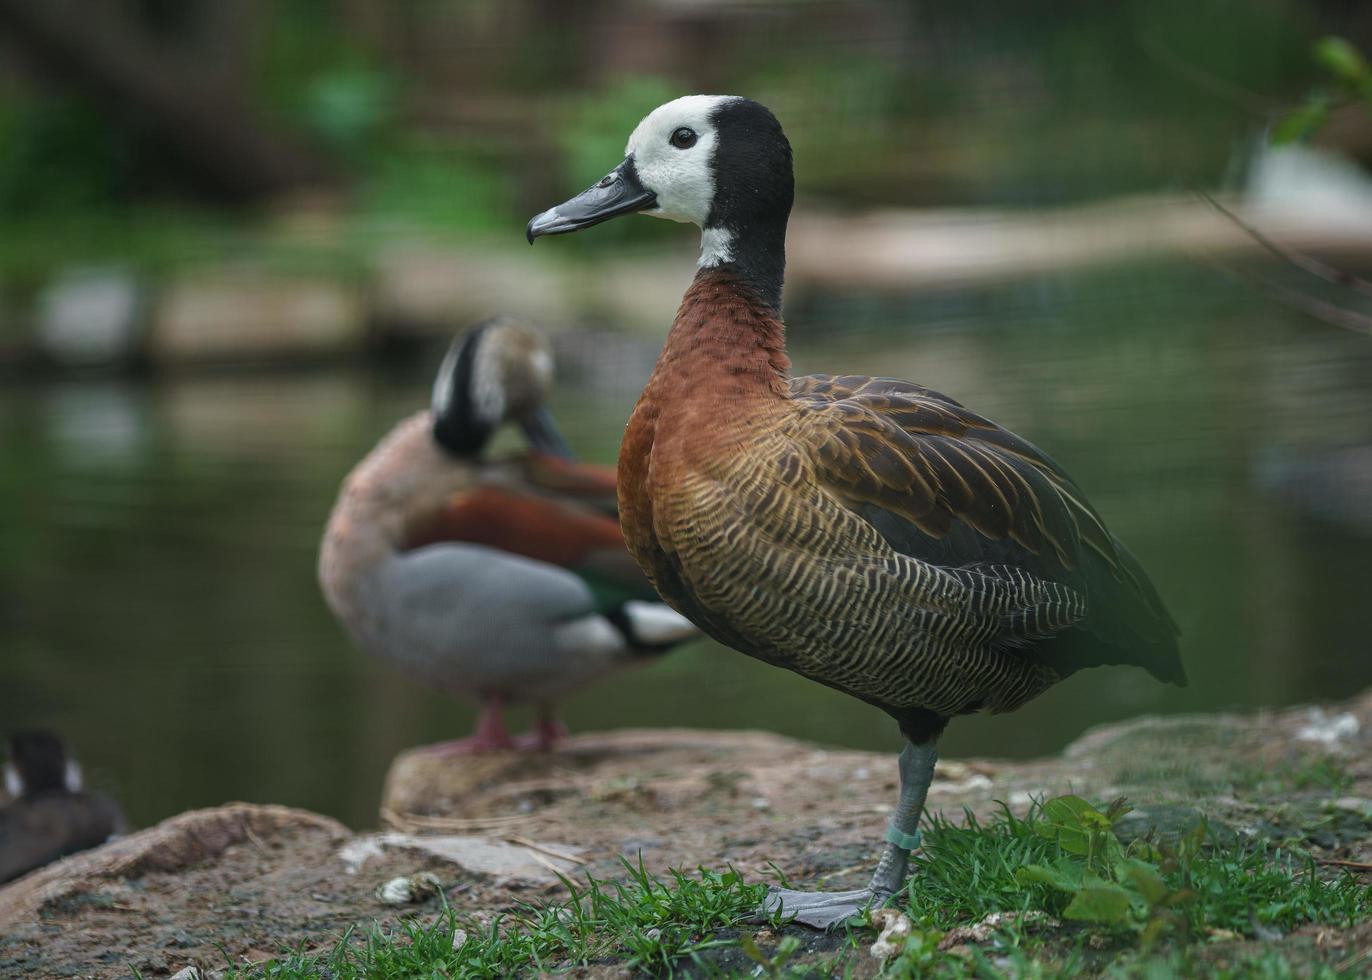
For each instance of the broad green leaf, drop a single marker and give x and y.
(1068, 820)
(1144, 878)
(1070, 811)
(1066, 879)
(1105, 903)
(1341, 58)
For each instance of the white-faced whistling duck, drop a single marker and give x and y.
(502, 579)
(868, 533)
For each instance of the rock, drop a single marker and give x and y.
(529, 863)
(246, 313)
(605, 766)
(172, 845)
(254, 880)
(1354, 804)
(1169, 823)
(90, 317)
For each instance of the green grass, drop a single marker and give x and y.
(643, 923)
(1321, 773)
(965, 873)
(1179, 900)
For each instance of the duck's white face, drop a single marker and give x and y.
(673, 151)
(719, 162)
(14, 783)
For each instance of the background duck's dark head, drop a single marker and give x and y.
(38, 763)
(720, 162)
(497, 371)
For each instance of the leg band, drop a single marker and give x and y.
(906, 842)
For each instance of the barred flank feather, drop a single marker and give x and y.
(868, 533)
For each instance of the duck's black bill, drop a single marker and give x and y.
(544, 436)
(618, 192)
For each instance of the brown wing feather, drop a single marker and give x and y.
(522, 524)
(586, 483)
(925, 457)
(937, 478)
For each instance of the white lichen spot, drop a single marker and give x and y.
(1328, 731)
(358, 852)
(409, 889)
(895, 929)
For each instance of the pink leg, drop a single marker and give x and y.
(546, 733)
(490, 734)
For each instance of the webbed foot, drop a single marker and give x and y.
(822, 910)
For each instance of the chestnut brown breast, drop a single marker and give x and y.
(868, 533)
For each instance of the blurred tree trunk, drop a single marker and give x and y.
(196, 107)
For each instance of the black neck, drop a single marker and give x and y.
(458, 429)
(460, 435)
(758, 259)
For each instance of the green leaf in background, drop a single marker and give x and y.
(1064, 878)
(1103, 902)
(348, 106)
(1343, 60)
(1145, 880)
(1067, 822)
(1108, 885)
(597, 124)
(1300, 124)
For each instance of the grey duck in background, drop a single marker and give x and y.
(49, 814)
(499, 578)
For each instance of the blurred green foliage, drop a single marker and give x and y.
(59, 156)
(1349, 80)
(945, 103)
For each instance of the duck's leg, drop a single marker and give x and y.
(546, 732)
(490, 734)
(825, 909)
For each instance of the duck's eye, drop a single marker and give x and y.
(683, 138)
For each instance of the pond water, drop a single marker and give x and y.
(157, 537)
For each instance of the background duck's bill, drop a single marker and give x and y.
(618, 193)
(544, 435)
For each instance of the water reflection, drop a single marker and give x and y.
(157, 594)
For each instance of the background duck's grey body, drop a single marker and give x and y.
(477, 621)
(471, 619)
